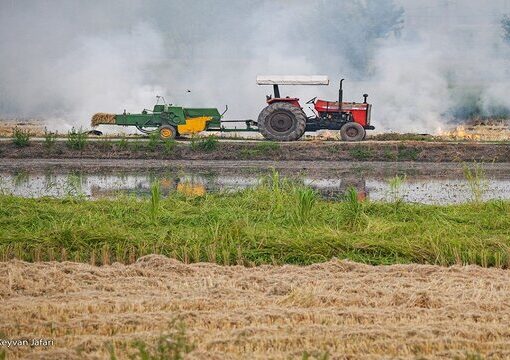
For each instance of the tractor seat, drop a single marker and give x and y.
(326, 106)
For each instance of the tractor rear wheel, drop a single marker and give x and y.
(352, 131)
(282, 122)
(167, 132)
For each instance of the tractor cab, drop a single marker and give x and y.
(284, 119)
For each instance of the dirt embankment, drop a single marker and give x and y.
(348, 310)
(298, 151)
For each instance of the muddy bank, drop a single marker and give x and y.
(342, 308)
(297, 151)
(377, 169)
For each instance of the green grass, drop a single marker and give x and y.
(361, 152)
(278, 222)
(405, 137)
(206, 144)
(408, 153)
(263, 148)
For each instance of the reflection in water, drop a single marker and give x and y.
(94, 185)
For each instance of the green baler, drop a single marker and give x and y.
(169, 120)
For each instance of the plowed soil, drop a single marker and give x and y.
(348, 310)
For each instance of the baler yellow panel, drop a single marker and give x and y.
(194, 125)
(190, 189)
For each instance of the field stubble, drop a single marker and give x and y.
(339, 308)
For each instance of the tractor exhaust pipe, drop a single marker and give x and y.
(340, 96)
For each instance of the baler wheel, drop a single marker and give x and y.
(167, 132)
(282, 121)
(352, 131)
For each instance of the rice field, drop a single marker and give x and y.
(277, 222)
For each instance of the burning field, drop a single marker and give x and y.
(337, 309)
(480, 130)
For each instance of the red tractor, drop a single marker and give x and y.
(284, 119)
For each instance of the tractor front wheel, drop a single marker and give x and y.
(282, 121)
(352, 131)
(167, 132)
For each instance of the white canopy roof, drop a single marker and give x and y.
(292, 80)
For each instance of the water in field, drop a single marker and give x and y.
(443, 187)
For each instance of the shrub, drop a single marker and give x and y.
(49, 139)
(123, 143)
(20, 137)
(152, 144)
(76, 139)
(169, 146)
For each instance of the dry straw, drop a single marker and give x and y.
(102, 118)
(338, 308)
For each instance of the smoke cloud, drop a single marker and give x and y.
(424, 64)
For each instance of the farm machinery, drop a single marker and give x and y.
(283, 119)
(170, 121)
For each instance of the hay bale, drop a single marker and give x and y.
(102, 118)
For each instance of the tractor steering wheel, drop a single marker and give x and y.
(311, 101)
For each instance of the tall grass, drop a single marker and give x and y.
(477, 182)
(353, 211)
(275, 223)
(306, 198)
(395, 192)
(155, 200)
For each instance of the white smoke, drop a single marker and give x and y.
(449, 64)
(63, 61)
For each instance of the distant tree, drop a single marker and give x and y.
(505, 23)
